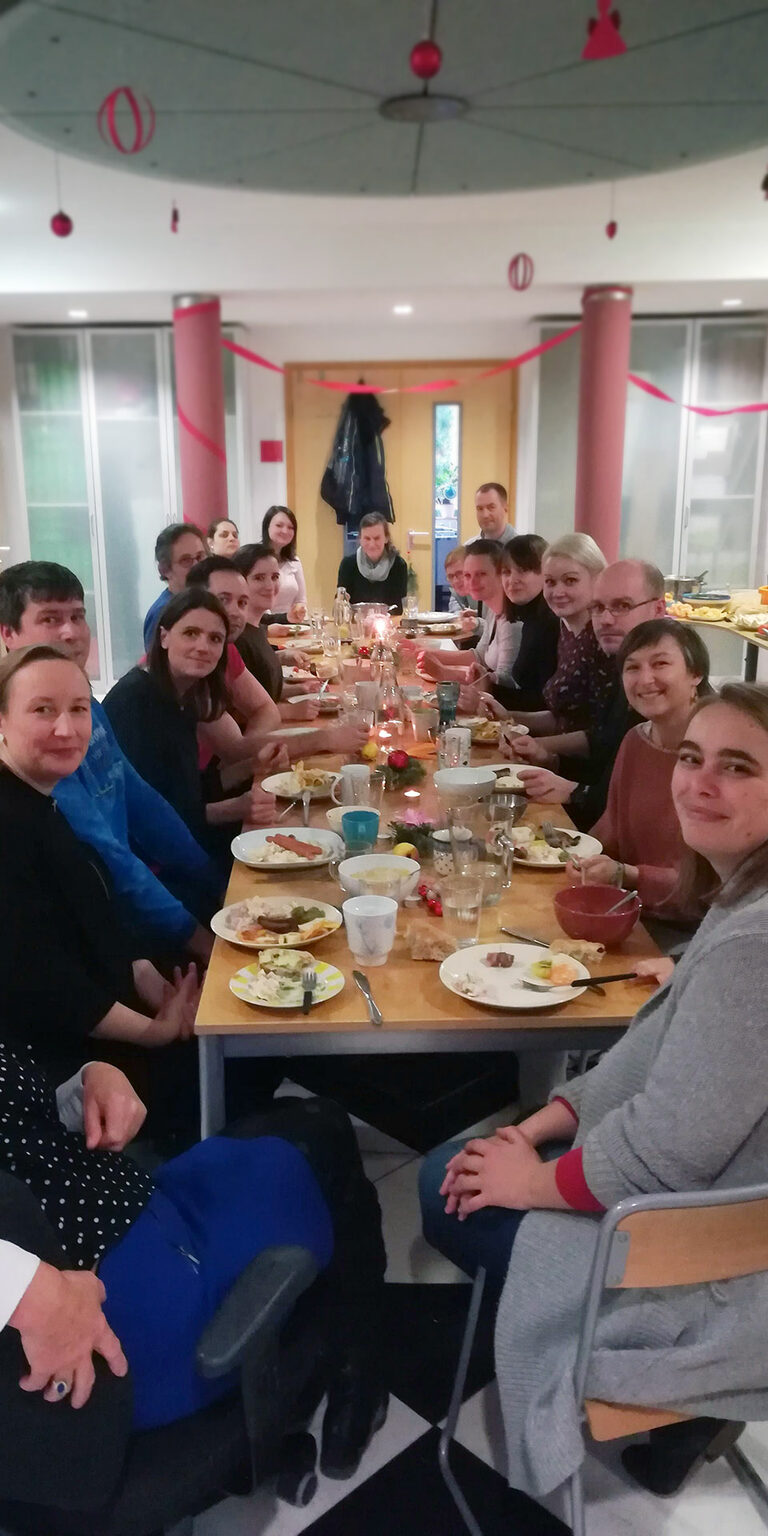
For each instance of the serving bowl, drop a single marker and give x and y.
(405, 873)
(582, 912)
(462, 786)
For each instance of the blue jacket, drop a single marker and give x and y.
(152, 615)
(110, 807)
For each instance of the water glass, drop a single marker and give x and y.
(453, 747)
(317, 620)
(462, 897)
(331, 639)
(367, 694)
(447, 701)
(371, 923)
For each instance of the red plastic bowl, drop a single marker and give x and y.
(582, 912)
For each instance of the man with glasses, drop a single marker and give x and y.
(575, 768)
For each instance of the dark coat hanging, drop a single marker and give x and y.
(355, 480)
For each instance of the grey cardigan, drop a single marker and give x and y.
(680, 1103)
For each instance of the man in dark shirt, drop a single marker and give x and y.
(575, 769)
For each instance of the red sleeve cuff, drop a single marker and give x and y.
(571, 1183)
(558, 1099)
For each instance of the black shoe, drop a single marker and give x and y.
(356, 1408)
(677, 1451)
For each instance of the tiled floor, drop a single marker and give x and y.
(398, 1490)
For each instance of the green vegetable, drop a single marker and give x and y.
(306, 914)
(541, 969)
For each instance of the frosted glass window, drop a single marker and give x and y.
(131, 480)
(558, 431)
(649, 492)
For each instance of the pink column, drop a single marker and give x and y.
(200, 408)
(605, 338)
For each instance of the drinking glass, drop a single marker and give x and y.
(453, 747)
(447, 701)
(371, 924)
(331, 639)
(317, 620)
(462, 897)
(359, 829)
(477, 851)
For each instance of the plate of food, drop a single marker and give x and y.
(276, 922)
(289, 785)
(283, 630)
(433, 618)
(275, 848)
(550, 847)
(277, 983)
(449, 627)
(493, 975)
(485, 733)
(297, 675)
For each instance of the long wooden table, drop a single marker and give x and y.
(420, 1014)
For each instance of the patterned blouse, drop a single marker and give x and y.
(584, 684)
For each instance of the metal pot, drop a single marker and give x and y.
(684, 586)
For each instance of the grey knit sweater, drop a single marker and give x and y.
(680, 1103)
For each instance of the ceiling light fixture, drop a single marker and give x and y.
(402, 309)
(732, 303)
(78, 314)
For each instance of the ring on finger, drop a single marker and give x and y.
(61, 1388)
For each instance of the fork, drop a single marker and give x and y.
(581, 981)
(308, 984)
(289, 807)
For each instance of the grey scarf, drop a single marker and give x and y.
(378, 570)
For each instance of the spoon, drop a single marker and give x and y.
(622, 902)
(306, 796)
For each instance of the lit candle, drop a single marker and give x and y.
(385, 735)
(412, 794)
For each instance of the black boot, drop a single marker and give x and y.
(356, 1408)
(677, 1450)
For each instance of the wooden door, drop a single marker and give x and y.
(488, 452)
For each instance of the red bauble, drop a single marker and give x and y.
(611, 229)
(61, 224)
(426, 59)
(142, 129)
(520, 271)
(398, 759)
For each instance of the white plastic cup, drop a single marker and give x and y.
(353, 786)
(371, 922)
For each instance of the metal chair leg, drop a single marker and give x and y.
(743, 1469)
(454, 1409)
(576, 1491)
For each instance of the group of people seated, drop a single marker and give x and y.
(115, 819)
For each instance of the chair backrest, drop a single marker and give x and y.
(691, 1245)
(681, 1239)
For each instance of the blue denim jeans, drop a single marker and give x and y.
(486, 1237)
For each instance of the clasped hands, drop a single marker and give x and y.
(496, 1170)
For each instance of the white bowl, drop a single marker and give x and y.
(462, 786)
(350, 871)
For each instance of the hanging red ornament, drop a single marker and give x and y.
(604, 40)
(143, 115)
(520, 271)
(426, 59)
(61, 224)
(174, 220)
(611, 229)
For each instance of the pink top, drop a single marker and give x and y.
(639, 824)
(292, 588)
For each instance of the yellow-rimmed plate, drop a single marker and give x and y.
(247, 986)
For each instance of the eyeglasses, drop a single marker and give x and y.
(617, 609)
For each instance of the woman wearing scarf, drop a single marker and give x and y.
(377, 573)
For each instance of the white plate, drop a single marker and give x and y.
(285, 786)
(504, 988)
(586, 848)
(297, 940)
(330, 982)
(244, 845)
(297, 675)
(436, 618)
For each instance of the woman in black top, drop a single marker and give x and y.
(536, 660)
(377, 573)
(155, 710)
(65, 960)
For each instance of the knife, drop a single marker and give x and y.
(527, 938)
(363, 983)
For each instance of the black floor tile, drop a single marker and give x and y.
(422, 1335)
(408, 1497)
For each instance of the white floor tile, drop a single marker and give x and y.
(409, 1257)
(263, 1515)
(480, 1428)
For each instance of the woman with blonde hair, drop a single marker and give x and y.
(585, 678)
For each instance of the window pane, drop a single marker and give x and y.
(54, 458)
(131, 480)
(731, 361)
(652, 446)
(558, 431)
(724, 453)
(446, 481)
(47, 372)
(63, 534)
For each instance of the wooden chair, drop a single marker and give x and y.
(650, 1242)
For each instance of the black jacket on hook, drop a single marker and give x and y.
(355, 480)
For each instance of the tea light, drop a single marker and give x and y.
(412, 794)
(385, 735)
